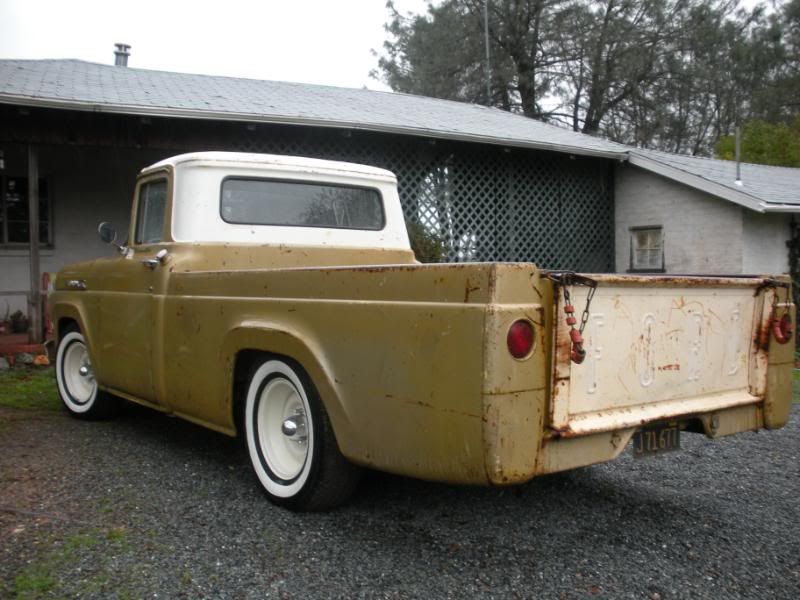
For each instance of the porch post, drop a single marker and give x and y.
(35, 296)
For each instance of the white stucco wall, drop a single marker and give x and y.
(87, 185)
(764, 243)
(702, 234)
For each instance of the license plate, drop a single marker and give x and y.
(656, 439)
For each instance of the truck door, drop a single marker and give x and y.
(131, 284)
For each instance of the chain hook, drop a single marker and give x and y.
(564, 280)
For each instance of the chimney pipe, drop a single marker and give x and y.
(121, 55)
(738, 157)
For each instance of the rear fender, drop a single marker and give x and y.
(269, 338)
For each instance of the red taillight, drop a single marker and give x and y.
(520, 338)
(782, 329)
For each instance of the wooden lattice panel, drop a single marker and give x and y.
(486, 203)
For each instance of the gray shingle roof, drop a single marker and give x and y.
(78, 84)
(763, 188)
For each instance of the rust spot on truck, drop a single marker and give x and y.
(563, 350)
(672, 367)
(560, 432)
(442, 409)
(761, 336)
(468, 290)
(678, 280)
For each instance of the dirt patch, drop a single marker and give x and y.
(36, 507)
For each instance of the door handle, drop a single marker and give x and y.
(152, 263)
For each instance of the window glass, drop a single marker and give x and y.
(14, 221)
(151, 212)
(294, 203)
(647, 252)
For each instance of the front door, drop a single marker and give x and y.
(126, 323)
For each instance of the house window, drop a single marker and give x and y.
(151, 212)
(14, 221)
(647, 249)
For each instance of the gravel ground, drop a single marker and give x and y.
(149, 506)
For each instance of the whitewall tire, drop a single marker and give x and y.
(76, 381)
(290, 441)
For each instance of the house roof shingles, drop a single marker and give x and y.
(83, 85)
(80, 85)
(762, 188)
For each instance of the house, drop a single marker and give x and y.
(685, 214)
(490, 184)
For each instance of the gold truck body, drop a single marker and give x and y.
(411, 361)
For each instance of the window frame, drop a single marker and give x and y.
(632, 231)
(377, 191)
(4, 243)
(152, 178)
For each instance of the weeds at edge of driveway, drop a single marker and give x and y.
(32, 388)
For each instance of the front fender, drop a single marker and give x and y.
(70, 306)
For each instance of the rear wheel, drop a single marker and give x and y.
(290, 440)
(77, 385)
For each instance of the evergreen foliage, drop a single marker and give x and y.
(675, 75)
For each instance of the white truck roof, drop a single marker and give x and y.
(273, 161)
(198, 178)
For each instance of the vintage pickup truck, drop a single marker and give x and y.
(278, 298)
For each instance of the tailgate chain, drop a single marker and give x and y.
(774, 323)
(564, 279)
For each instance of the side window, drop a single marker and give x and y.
(151, 212)
(647, 249)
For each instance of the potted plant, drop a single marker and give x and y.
(19, 322)
(5, 323)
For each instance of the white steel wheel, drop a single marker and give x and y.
(77, 385)
(290, 441)
(76, 382)
(280, 430)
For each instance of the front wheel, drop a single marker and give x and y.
(77, 385)
(290, 440)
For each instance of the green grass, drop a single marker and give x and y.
(796, 386)
(33, 583)
(43, 577)
(30, 388)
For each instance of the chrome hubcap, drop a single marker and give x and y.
(295, 427)
(283, 428)
(78, 373)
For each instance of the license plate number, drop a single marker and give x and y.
(656, 439)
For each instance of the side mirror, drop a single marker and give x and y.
(107, 232)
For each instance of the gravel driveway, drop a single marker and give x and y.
(149, 506)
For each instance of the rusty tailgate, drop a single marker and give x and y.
(659, 347)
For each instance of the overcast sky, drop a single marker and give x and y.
(311, 41)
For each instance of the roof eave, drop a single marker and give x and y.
(182, 113)
(697, 182)
(770, 207)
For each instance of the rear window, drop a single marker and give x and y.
(300, 204)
